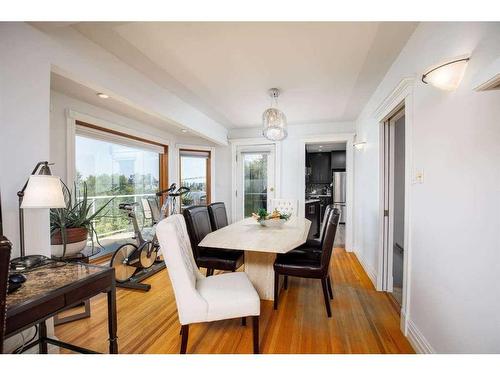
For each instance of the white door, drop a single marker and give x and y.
(256, 175)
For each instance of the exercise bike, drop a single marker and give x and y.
(134, 262)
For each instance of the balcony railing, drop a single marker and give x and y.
(115, 217)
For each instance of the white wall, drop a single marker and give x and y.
(24, 137)
(455, 259)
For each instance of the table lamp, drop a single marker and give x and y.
(42, 190)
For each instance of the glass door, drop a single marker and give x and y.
(256, 179)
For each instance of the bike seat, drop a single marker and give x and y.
(127, 206)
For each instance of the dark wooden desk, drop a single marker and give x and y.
(51, 289)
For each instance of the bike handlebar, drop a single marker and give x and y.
(170, 189)
(127, 206)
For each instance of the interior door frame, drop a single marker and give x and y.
(235, 144)
(401, 96)
(348, 138)
(388, 180)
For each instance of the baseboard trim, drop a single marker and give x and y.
(417, 339)
(369, 271)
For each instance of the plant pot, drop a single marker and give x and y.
(76, 240)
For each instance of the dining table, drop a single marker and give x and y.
(261, 244)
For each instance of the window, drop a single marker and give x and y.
(195, 174)
(120, 168)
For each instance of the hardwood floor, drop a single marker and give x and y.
(364, 321)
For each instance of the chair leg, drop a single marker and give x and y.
(210, 271)
(184, 340)
(330, 290)
(255, 324)
(244, 321)
(276, 289)
(285, 283)
(327, 299)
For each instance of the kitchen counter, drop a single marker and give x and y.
(309, 201)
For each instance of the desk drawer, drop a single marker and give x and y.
(33, 314)
(87, 291)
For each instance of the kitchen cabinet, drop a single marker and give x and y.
(338, 161)
(313, 211)
(320, 164)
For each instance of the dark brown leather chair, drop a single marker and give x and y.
(218, 215)
(198, 226)
(310, 264)
(4, 276)
(315, 244)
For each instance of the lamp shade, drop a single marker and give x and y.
(447, 76)
(43, 191)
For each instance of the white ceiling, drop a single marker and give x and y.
(325, 70)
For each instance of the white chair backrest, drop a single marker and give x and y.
(182, 269)
(146, 209)
(289, 206)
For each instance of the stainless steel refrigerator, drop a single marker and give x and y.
(339, 192)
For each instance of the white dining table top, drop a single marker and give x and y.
(249, 235)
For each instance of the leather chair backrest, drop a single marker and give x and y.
(328, 211)
(198, 225)
(327, 245)
(286, 206)
(182, 269)
(218, 215)
(4, 276)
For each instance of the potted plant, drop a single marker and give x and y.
(70, 226)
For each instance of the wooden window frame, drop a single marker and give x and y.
(208, 166)
(163, 162)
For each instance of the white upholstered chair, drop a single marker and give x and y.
(199, 298)
(289, 206)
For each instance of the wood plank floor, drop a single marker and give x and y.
(364, 321)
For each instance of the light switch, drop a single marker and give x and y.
(419, 177)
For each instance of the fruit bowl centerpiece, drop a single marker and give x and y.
(273, 219)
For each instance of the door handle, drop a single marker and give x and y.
(271, 189)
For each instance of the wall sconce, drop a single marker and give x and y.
(447, 76)
(359, 145)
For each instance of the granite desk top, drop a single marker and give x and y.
(46, 279)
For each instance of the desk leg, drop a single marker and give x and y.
(259, 268)
(112, 323)
(42, 335)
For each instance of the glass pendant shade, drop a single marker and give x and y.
(447, 76)
(274, 124)
(274, 121)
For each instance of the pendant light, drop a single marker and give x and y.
(274, 120)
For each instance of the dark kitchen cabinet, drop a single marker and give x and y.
(320, 164)
(338, 161)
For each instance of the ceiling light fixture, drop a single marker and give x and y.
(447, 76)
(102, 95)
(273, 120)
(184, 130)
